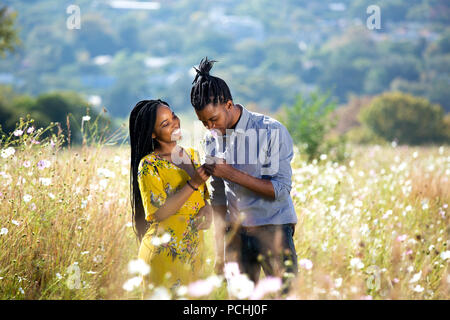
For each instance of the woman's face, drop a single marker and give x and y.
(167, 125)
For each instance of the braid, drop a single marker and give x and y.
(208, 89)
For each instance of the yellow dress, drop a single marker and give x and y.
(175, 260)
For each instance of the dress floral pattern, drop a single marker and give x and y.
(177, 259)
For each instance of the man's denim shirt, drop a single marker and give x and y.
(261, 147)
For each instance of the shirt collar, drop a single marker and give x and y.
(242, 123)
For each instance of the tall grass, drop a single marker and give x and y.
(373, 227)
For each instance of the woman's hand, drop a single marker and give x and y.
(199, 177)
(204, 217)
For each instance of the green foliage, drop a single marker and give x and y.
(266, 50)
(65, 109)
(308, 121)
(8, 35)
(405, 118)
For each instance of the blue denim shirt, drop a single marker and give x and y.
(262, 147)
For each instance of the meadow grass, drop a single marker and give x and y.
(375, 226)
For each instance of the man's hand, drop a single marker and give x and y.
(219, 168)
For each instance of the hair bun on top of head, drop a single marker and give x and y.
(203, 68)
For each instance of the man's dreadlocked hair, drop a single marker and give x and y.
(206, 88)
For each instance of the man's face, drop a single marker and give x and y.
(216, 116)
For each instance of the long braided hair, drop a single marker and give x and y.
(206, 88)
(141, 124)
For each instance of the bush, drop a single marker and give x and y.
(404, 118)
(309, 121)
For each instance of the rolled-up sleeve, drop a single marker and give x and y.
(281, 150)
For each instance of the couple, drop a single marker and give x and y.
(253, 213)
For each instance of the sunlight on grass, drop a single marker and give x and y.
(373, 227)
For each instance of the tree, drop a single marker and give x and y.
(8, 35)
(308, 121)
(406, 118)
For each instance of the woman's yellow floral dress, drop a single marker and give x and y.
(175, 260)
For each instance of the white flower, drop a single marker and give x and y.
(356, 263)
(138, 266)
(27, 198)
(98, 258)
(418, 288)
(103, 183)
(387, 214)
(15, 222)
(3, 231)
(84, 252)
(204, 287)
(160, 293)
(58, 275)
(6, 153)
(132, 283)
(42, 164)
(240, 286)
(30, 130)
(18, 132)
(156, 241)
(105, 173)
(338, 282)
(51, 195)
(358, 203)
(305, 263)
(416, 277)
(445, 255)
(231, 269)
(182, 290)
(45, 181)
(86, 118)
(166, 237)
(265, 286)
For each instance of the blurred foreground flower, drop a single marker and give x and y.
(265, 286)
(356, 263)
(239, 285)
(305, 263)
(138, 266)
(204, 287)
(6, 153)
(132, 283)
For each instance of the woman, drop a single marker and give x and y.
(168, 194)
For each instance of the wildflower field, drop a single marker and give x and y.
(375, 226)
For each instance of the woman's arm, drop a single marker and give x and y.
(177, 200)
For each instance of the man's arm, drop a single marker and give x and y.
(262, 187)
(272, 186)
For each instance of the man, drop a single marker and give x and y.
(250, 159)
